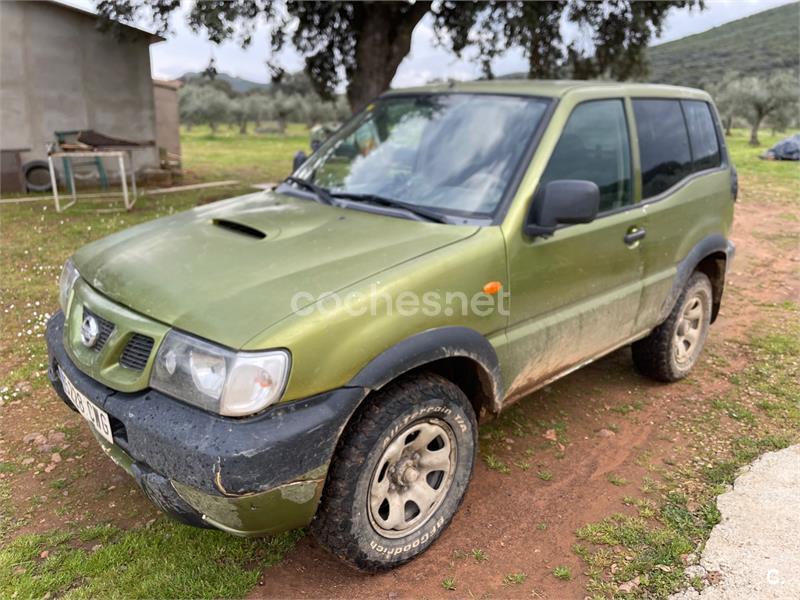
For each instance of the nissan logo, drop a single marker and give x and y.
(90, 331)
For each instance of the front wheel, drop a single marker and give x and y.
(399, 473)
(673, 348)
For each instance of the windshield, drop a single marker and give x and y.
(452, 153)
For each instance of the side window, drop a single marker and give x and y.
(663, 145)
(595, 147)
(702, 135)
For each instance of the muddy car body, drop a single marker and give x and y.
(251, 362)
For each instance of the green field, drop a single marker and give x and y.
(251, 158)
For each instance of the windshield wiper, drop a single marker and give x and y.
(429, 215)
(323, 195)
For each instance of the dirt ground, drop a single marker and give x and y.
(567, 450)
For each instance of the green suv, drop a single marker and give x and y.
(322, 353)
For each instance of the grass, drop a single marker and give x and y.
(544, 475)
(449, 583)
(251, 158)
(495, 464)
(515, 578)
(166, 560)
(617, 480)
(479, 555)
(563, 573)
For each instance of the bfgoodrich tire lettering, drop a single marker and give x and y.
(390, 419)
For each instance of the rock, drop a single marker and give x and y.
(629, 586)
(28, 438)
(551, 435)
(28, 461)
(694, 571)
(44, 554)
(55, 457)
(606, 433)
(49, 468)
(56, 437)
(23, 387)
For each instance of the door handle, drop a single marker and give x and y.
(634, 235)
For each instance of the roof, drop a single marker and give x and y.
(172, 84)
(153, 38)
(553, 88)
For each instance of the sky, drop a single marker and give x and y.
(186, 51)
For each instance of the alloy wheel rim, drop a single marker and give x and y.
(689, 330)
(412, 478)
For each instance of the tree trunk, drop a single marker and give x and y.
(754, 132)
(383, 39)
(243, 127)
(728, 125)
(213, 127)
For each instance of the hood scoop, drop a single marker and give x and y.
(239, 228)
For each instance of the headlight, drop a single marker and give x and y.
(217, 379)
(69, 275)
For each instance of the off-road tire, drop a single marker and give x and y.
(655, 356)
(344, 524)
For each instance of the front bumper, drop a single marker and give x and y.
(250, 476)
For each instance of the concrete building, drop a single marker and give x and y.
(58, 72)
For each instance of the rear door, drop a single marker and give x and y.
(576, 294)
(685, 190)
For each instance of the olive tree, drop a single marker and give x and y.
(203, 104)
(759, 98)
(361, 44)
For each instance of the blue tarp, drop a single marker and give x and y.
(788, 149)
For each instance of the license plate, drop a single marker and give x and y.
(98, 418)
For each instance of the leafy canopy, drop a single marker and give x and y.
(361, 44)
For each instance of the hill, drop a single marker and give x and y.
(238, 85)
(758, 44)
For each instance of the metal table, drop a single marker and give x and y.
(118, 154)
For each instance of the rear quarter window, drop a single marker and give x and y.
(664, 150)
(702, 135)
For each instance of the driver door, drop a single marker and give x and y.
(575, 295)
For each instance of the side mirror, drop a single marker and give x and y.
(564, 201)
(298, 159)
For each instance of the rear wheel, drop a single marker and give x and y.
(673, 348)
(399, 473)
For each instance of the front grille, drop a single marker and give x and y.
(105, 326)
(136, 352)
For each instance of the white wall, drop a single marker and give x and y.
(58, 72)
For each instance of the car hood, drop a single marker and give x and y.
(229, 270)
